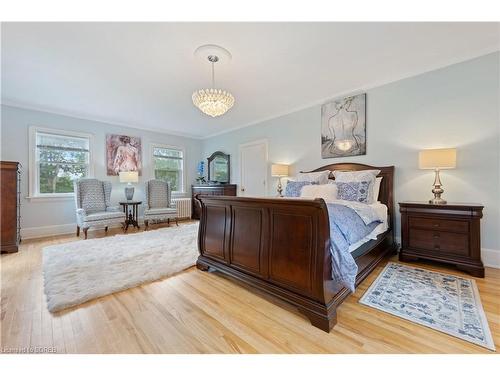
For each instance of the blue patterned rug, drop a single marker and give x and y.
(446, 303)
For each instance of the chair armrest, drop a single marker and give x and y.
(114, 209)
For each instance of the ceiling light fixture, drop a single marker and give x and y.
(213, 102)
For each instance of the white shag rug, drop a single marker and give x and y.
(79, 271)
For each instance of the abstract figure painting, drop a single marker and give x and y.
(123, 154)
(343, 127)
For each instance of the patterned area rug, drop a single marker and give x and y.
(446, 303)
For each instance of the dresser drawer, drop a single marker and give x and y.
(445, 242)
(439, 224)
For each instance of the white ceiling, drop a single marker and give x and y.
(143, 74)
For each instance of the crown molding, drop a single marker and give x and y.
(32, 107)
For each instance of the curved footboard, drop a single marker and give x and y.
(281, 246)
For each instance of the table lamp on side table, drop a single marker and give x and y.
(279, 170)
(129, 177)
(437, 159)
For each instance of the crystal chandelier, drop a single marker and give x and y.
(213, 102)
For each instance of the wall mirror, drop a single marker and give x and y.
(219, 167)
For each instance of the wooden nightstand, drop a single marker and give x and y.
(447, 233)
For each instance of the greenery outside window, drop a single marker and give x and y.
(59, 158)
(168, 165)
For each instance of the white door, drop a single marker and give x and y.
(253, 169)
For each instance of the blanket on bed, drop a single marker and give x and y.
(348, 225)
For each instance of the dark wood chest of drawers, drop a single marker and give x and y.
(226, 189)
(448, 233)
(10, 193)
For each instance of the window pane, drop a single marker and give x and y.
(52, 140)
(46, 155)
(161, 163)
(166, 152)
(172, 177)
(59, 177)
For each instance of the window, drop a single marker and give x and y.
(168, 164)
(58, 158)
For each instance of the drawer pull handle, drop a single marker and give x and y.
(436, 225)
(437, 247)
(436, 236)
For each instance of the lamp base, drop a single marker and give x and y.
(129, 192)
(280, 189)
(437, 201)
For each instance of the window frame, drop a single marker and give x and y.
(34, 188)
(177, 148)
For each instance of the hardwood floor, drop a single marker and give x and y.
(200, 312)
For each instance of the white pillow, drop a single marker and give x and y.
(359, 176)
(376, 189)
(326, 191)
(319, 177)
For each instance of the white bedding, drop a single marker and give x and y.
(381, 210)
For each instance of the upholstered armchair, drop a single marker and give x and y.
(92, 198)
(159, 206)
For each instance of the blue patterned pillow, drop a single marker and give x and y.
(293, 188)
(354, 191)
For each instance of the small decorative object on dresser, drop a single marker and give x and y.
(129, 177)
(220, 189)
(279, 170)
(447, 233)
(437, 159)
(10, 177)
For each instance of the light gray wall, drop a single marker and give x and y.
(457, 106)
(35, 213)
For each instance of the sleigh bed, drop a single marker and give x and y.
(282, 246)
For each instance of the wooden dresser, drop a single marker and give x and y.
(10, 185)
(447, 233)
(222, 189)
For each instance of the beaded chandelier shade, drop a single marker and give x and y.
(213, 102)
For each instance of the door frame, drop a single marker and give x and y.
(263, 141)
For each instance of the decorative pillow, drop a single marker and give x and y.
(318, 177)
(326, 191)
(293, 188)
(376, 189)
(354, 191)
(359, 176)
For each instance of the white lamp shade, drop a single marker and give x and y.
(442, 158)
(279, 170)
(132, 176)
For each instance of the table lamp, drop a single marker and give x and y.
(129, 177)
(279, 170)
(437, 159)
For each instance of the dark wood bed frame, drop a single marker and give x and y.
(282, 246)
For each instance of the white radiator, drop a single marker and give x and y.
(183, 207)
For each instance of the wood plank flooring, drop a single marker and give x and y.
(200, 312)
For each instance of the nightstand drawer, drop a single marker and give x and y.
(439, 241)
(439, 224)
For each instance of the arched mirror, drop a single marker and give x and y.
(219, 167)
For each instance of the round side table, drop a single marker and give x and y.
(131, 209)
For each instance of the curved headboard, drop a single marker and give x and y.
(386, 194)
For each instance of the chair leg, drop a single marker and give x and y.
(77, 231)
(146, 222)
(168, 221)
(85, 232)
(177, 221)
(106, 229)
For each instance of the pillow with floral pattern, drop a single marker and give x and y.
(354, 191)
(293, 188)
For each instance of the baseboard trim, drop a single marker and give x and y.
(490, 257)
(62, 229)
